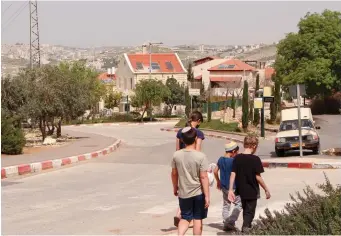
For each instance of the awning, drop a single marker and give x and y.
(225, 79)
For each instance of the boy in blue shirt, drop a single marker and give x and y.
(224, 165)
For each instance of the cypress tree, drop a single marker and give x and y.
(209, 107)
(273, 111)
(256, 116)
(187, 102)
(233, 106)
(245, 106)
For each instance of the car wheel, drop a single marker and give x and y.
(280, 153)
(316, 150)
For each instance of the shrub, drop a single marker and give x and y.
(329, 105)
(12, 138)
(245, 106)
(312, 214)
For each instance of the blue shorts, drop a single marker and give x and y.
(193, 208)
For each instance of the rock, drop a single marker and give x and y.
(49, 141)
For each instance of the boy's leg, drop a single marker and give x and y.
(249, 210)
(197, 227)
(237, 208)
(186, 208)
(199, 213)
(226, 205)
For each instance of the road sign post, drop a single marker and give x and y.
(299, 118)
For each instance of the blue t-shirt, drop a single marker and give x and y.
(225, 167)
(200, 135)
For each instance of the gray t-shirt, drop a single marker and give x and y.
(189, 164)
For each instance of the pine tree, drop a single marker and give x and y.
(245, 106)
(273, 111)
(233, 106)
(277, 94)
(190, 75)
(187, 103)
(256, 117)
(209, 107)
(251, 112)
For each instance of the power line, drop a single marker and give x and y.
(15, 15)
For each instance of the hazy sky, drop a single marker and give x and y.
(85, 23)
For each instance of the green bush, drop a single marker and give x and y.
(312, 214)
(12, 138)
(329, 105)
(214, 125)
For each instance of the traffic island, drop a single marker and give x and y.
(319, 162)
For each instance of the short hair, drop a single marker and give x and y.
(250, 141)
(189, 135)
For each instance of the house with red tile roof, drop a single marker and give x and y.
(135, 67)
(205, 59)
(223, 75)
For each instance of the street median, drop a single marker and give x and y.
(16, 170)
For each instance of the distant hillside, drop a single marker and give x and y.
(262, 54)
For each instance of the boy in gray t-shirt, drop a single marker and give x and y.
(190, 183)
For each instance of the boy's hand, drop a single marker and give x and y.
(267, 194)
(231, 197)
(218, 185)
(207, 202)
(175, 191)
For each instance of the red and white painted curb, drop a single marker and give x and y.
(207, 135)
(11, 171)
(302, 165)
(124, 124)
(273, 164)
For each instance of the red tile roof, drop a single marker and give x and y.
(160, 58)
(205, 58)
(227, 66)
(269, 71)
(198, 77)
(105, 76)
(225, 79)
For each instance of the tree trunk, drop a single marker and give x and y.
(51, 130)
(144, 110)
(42, 127)
(59, 128)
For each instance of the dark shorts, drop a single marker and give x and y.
(193, 208)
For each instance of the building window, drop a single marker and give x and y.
(131, 83)
(155, 66)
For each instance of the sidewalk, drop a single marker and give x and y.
(309, 162)
(86, 143)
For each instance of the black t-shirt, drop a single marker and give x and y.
(246, 167)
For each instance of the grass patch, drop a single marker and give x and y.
(214, 125)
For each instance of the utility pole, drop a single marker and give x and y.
(150, 57)
(299, 118)
(34, 35)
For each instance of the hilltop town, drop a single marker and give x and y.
(16, 56)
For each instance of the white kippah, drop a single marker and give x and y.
(186, 129)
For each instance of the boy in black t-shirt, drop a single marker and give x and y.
(246, 172)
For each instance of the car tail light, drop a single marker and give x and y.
(316, 137)
(277, 140)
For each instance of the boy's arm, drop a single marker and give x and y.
(175, 179)
(216, 175)
(262, 183)
(231, 195)
(198, 144)
(177, 147)
(205, 186)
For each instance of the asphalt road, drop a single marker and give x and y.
(127, 192)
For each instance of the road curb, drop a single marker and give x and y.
(123, 124)
(301, 165)
(207, 135)
(23, 169)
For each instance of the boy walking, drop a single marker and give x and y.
(190, 183)
(224, 165)
(246, 171)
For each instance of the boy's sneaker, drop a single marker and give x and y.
(229, 227)
(246, 230)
